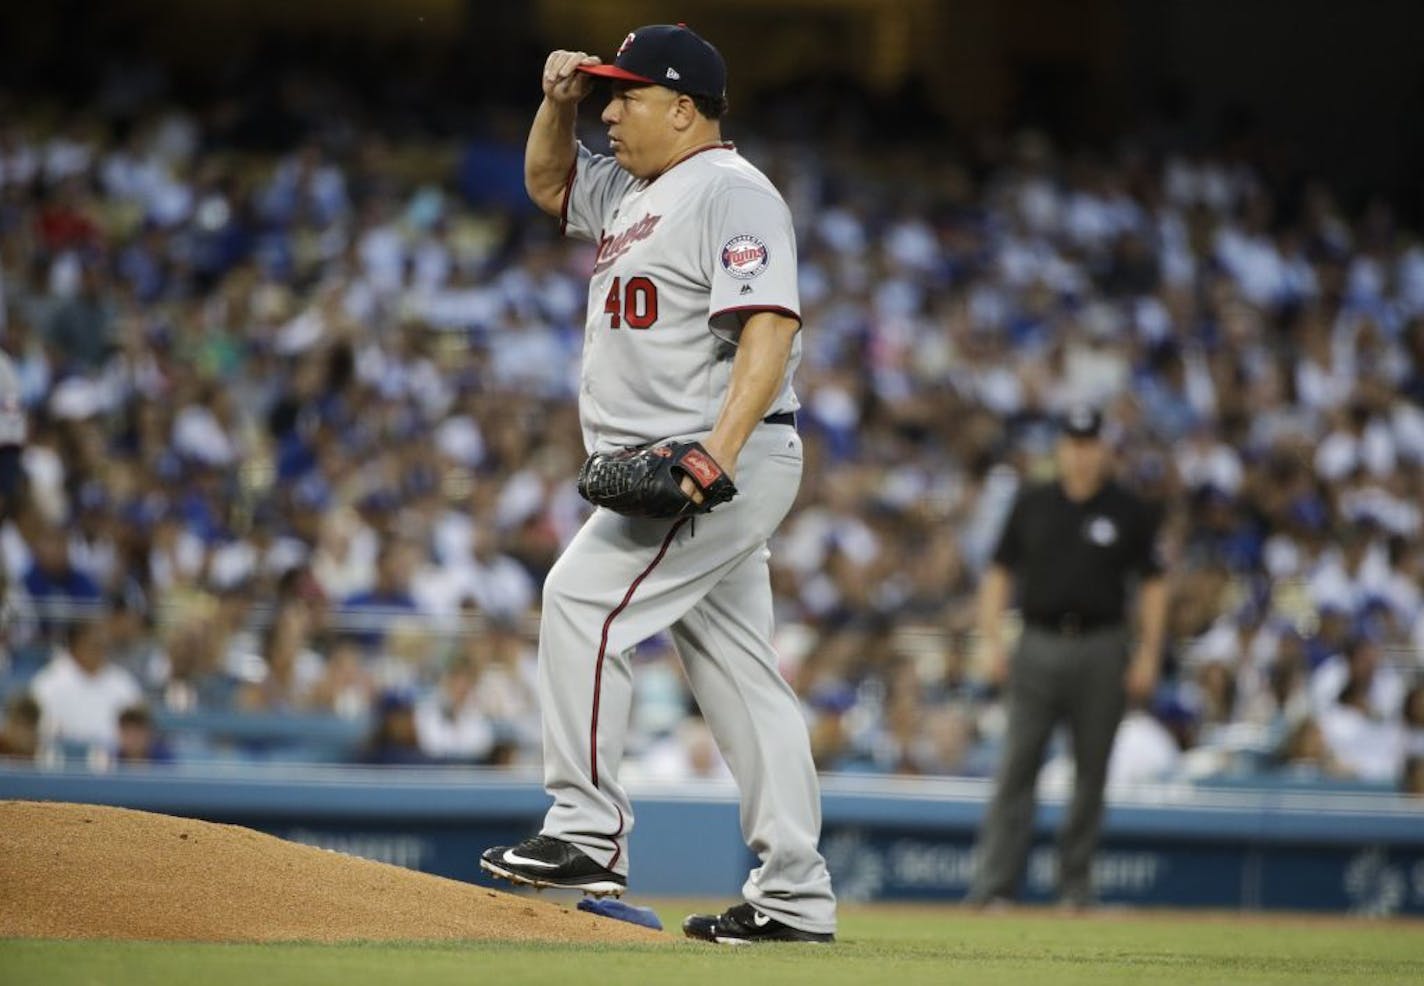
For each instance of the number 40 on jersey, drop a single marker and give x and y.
(635, 303)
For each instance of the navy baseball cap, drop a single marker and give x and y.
(670, 55)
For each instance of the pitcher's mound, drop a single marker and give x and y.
(83, 871)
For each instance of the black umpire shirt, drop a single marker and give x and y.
(1072, 561)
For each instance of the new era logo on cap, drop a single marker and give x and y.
(668, 55)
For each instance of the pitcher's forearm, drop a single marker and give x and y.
(758, 373)
(549, 154)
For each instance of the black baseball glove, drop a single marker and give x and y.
(647, 482)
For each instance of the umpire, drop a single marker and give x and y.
(1070, 547)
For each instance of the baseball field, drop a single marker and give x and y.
(93, 895)
(878, 945)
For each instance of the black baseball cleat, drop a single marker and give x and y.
(543, 861)
(745, 925)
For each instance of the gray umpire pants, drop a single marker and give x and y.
(1053, 678)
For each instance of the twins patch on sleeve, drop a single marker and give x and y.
(744, 256)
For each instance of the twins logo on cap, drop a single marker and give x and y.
(744, 256)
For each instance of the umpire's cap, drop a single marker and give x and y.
(1081, 421)
(670, 55)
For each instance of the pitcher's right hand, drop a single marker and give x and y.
(563, 84)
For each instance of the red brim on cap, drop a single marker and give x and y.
(614, 72)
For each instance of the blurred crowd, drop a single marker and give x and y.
(301, 432)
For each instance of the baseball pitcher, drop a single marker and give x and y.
(687, 409)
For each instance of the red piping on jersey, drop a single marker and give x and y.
(568, 193)
(723, 145)
(756, 308)
(603, 648)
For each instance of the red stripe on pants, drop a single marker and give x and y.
(603, 646)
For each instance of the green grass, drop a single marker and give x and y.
(900, 946)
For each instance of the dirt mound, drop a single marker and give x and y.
(84, 871)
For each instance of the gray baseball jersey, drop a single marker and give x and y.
(680, 258)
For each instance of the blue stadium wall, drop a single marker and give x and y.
(885, 838)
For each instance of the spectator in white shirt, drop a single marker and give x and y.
(508, 690)
(1368, 744)
(499, 585)
(448, 722)
(1353, 572)
(1285, 700)
(1305, 754)
(1381, 689)
(1359, 441)
(1143, 750)
(289, 669)
(1324, 376)
(80, 693)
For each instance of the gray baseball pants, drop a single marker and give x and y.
(620, 581)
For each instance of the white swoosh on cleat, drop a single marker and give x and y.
(510, 856)
(760, 920)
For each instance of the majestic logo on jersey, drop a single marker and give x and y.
(624, 46)
(610, 248)
(744, 256)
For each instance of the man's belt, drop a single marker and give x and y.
(1072, 624)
